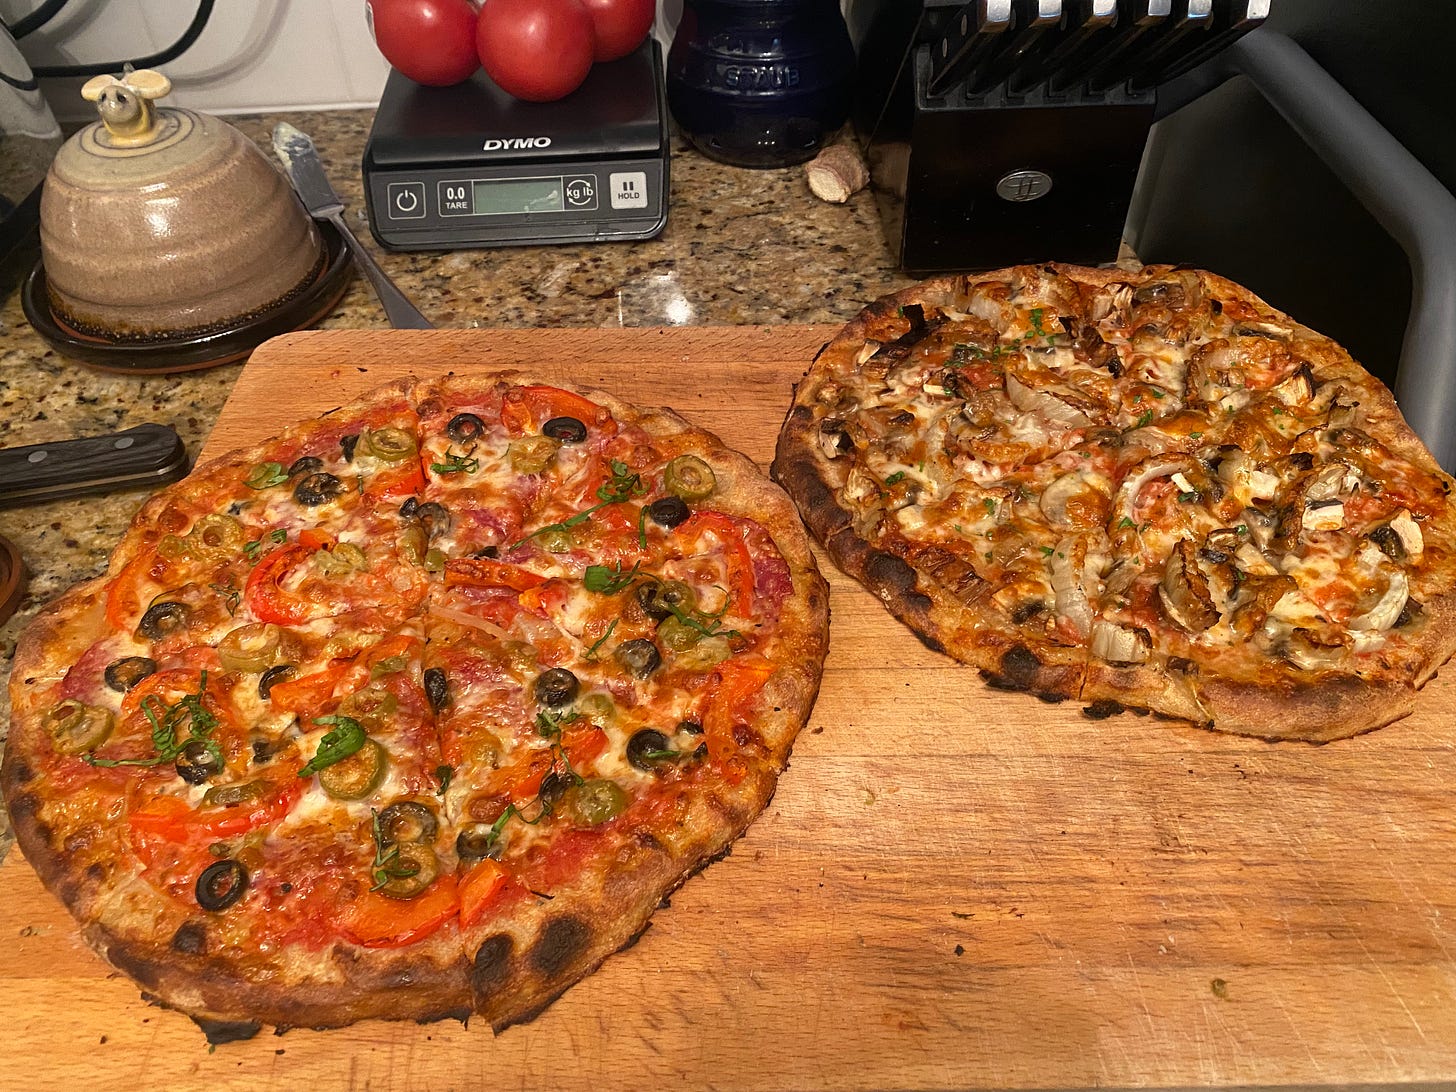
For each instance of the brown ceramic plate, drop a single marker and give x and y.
(12, 578)
(193, 353)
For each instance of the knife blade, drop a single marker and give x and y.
(1179, 33)
(1085, 20)
(1036, 18)
(296, 151)
(964, 46)
(1232, 20)
(1135, 19)
(147, 455)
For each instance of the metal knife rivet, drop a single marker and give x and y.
(123, 442)
(1024, 185)
(35, 456)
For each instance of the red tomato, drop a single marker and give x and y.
(430, 41)
(619, 26)
(537, 50)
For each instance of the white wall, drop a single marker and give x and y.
(254, 55)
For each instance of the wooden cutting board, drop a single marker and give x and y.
(953, 887)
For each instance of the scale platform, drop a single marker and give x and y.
(471, 166)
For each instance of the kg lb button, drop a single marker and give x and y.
(581, 192)
(629, 189)
(406, 200)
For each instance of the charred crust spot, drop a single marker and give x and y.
(22, 771)
(96, 872)
(24, 806)
(932, 643)
(219, 1032)
(462, 1014)
(1183, 664)
(492, 963)
(1050, 697)
(1019, 667)
(743, 735)
(890, 574)
(190, 938)
(429, 407)
(1102, 708)
(1025, 612)
(802, 415)
(560, 943)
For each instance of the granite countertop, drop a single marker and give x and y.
(740, 247)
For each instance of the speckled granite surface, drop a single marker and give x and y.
(740, 247)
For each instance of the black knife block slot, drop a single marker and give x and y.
(957, 176)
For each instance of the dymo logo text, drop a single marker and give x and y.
(515, 144)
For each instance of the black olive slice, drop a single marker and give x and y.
(273, 675)
(639, 657)
(556, 686)
(197, 762)
(162, 619)
(317, 489)
(121, 675)
(410, 507)
(305, 464)
(644, 750)
(658, 597)
(437, 688)
(691, 727)
(566, 429)
(435, 518)
(408, 821)
(668, 511)
(221, 885)
(465, 428)
(476, 842)
(347, 444)
(265, 750)
(488, 552)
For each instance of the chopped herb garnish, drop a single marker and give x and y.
(622, 486)
(1046, 551)
(895, 478)
(591, 653)
(230, 595)
(386, 866)
(1242, 529)
(165, 720)
(462, 463)
(990, 504)
(1036, 315)
(344, 738)
(444, 775)
(549, 724)
(1125, 522)
(1144, 419)
(264, 475)
(609, 579)
(1195, 436)
(1188, 497)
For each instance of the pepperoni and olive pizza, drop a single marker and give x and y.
(418, 710)
(1145, 489)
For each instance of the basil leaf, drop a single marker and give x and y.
(345, 739)
(264, 475)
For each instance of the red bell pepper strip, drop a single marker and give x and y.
(123, 600)
(732, 534)
(479, 889)
(270, 603)
(173, 819)
(313, 690)
(483, 572)
(739, 680)
(526, 409)
(377, 921)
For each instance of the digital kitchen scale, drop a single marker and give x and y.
(471, 166)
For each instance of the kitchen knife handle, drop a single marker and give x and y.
(147, 455)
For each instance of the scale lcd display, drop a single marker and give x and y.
(502, 196)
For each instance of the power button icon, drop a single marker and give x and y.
(406, 200)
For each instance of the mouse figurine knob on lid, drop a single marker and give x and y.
(163, 223)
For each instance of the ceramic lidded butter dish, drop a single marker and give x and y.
(166, 223)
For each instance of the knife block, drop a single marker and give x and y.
(978, 182)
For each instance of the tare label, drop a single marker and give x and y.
(628, 189)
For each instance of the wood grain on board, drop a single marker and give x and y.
(952, 888)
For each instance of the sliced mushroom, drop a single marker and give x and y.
(1184, 590)
(1399, 539)
(1297, 389)
(1119, 644)
(1274, 331)
(1323, 515)
(1242, 475)
(834, 441)
(1251, 560)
